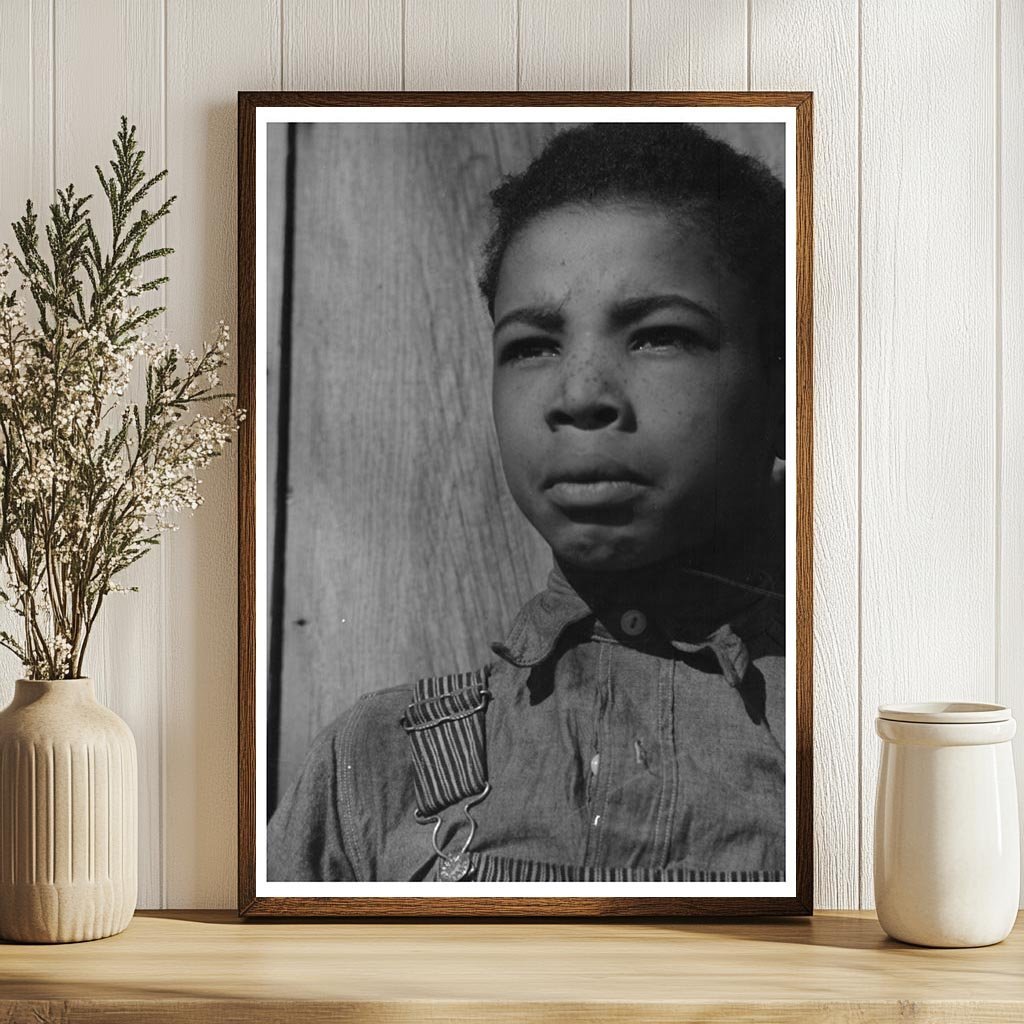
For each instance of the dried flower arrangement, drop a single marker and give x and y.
(87, 478)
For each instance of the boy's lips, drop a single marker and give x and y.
(594, 484)
(593, 493)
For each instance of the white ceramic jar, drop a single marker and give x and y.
(947, 847)
(68, 815)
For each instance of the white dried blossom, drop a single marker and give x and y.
(92, 468)
(63, 414)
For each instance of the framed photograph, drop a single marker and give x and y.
(525, 504)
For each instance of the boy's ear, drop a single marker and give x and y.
(778, 388)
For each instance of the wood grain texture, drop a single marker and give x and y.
(466, 45)
(225, 46)
(575, 44)
(928, 514)
(26, 171)
(1010, 314)
(26, 75)
(623, 98)
(581, 1011)
(208, 967)
(696, 45)
(815, 46)
(700, 46)
(277, 155)
(342, 44)
(404, 554)
(246, 511)
(804, 501)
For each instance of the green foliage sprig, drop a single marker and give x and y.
(87, 478)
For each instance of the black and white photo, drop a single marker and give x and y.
(526, 387)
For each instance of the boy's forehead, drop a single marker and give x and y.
(618, 223)
(615, 255)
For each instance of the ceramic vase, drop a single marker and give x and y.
(68, 815)
(947, 846)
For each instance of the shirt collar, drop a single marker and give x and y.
(691, 609)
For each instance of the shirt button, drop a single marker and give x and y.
(633, 623)
(595, 761)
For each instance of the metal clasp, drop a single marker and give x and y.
(455, 867)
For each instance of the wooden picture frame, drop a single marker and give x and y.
(257, 315)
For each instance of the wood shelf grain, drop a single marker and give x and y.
(206, 966)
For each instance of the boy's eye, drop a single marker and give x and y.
(522, 349)
(673, 337)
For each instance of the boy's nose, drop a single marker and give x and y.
(590, 396)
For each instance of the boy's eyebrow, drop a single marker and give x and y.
(628, 312)
(544, 317)
(622, 314)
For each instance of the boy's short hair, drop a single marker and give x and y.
(736, 198)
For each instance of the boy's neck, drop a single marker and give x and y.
(681, 590)
(654, 577)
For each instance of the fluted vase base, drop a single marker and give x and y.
(68, 815)
(64, 913)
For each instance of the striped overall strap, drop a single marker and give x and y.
(445, 723)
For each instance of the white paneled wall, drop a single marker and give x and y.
(1009, 330)
(775, 62)
(919, 327)
(928, 411)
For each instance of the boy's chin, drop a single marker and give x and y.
(606, 557)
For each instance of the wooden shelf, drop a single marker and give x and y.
(210, 967)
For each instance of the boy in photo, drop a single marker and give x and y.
(632, 726)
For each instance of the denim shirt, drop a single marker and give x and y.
(638, 726)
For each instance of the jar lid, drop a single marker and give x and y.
(945, 712)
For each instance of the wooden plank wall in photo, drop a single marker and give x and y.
(403, 550)
(919, 343)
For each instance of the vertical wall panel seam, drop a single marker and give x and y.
(162, 697)
(403, 45)
(860, 457)
(997, 209)
(280, 40)
(53, 97)
(31, 93)
(519, 34)
(629, 38)
(750, 17)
